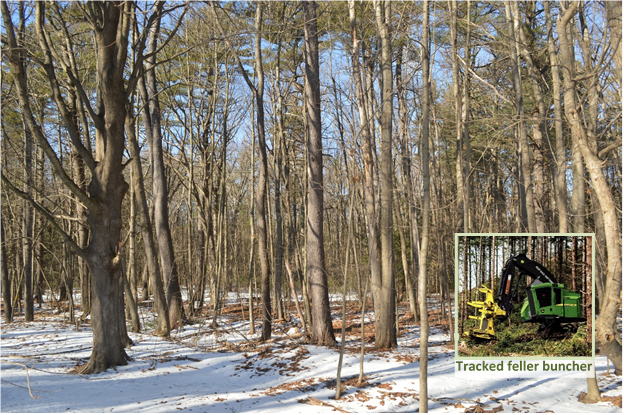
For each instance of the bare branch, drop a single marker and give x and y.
(49, 68)
(22, 90)
(49, 217)
(229, 43)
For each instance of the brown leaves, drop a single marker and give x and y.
(615, 400)
(480, 409)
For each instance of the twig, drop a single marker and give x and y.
(27, 379)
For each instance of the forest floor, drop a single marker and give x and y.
(224, 370)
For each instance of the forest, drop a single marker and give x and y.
(297, 164)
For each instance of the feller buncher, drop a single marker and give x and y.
(547, 302)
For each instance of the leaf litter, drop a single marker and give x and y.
(228, 370)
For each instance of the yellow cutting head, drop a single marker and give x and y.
(489, 311)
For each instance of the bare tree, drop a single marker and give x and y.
(607, 336)
(367, 150)
(258, 92)
(110, 23)
(424, 246)
(559, 167)
(383, 288)
(525, 188)
(151, 253)
(322, 330)
(152, 124)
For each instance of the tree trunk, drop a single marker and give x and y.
(607, 337)
(465, 116)
(262, 183)
(6, 284)
(322, 330)
(27, 226)
(410, 273)
(384, 289)
(252, 239)
(614, 21)
(152, 123)
(424, 246)
(459, 175)
(368, 165)
(559, 167)
(538, 127)
(593, 391)
(27, 210)
(151, 253)
(107, 187)
(525, 186)
(279, 145)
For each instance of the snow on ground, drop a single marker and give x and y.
(200, 370)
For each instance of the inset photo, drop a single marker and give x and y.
(524, 295)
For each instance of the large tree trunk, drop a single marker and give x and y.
(107, 187)
(383, 288)
(322, 330)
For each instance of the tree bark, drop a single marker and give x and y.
(27, 210)
(6, 283)
(525, 186)
(322, 330)
(368, 165)
(410, 273)
(459, 175)
(538, 127)
(614, 22)
(262, 183)
(107, 187)
(384, 289)
(465, 131)
(559, 167)
(152, 123)
(151, 253)
(607, 337)
(424, 246)
(27, 226)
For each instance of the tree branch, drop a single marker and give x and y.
(44, 212)
(72, 73)
(22, 91)
(72, 127)
(229, 43)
